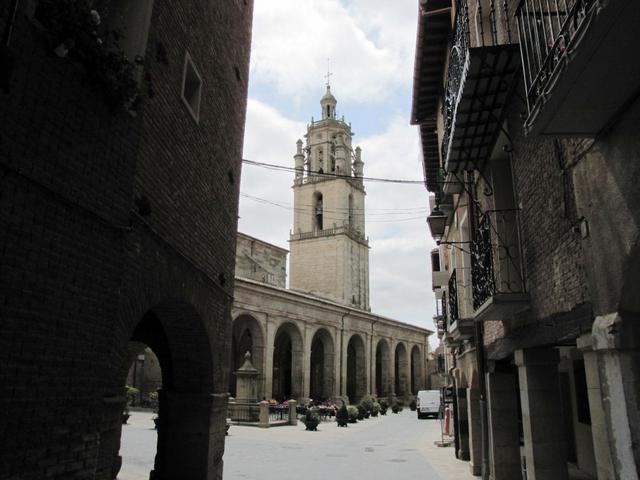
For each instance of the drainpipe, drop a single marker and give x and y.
(484, 424)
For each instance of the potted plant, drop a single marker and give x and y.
(353, 413)
(311, 419)
(395, 408)
(367, 403)
(384, 406)
(342, 416)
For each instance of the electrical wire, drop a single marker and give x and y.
(271, 166)
(328, 217)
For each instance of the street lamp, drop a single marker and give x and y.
(437, 222)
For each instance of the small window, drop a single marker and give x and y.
(435, 261)
(191, 88)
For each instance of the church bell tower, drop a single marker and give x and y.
(329, 249)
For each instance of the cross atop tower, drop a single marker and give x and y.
(328, 74)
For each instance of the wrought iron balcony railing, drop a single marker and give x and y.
(496, 267)
(453, 299)
(478, 72)
(547, 29)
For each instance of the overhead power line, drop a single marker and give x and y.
(271, 166)
(328, 217)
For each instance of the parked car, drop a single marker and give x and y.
(428, 403)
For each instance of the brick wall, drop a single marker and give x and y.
(75, 278)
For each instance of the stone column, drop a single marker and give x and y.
(190, 435)
(475, 430)
(293, 415)
(504, 438)
(392, 372)
(542, 422)
(306, 365)
(463, 424)
(367, 363)
(268, 364)
(374, 372)
(599, 432)
(343, 370)
(264, 414)
(616, 343)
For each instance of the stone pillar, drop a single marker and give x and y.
(542, 422)
(190, 435)
(367, 363)
(293, 416)
(343, 370)
(268, 364)
(264, 414)
(306, 365)
(392, 373)
(599, 432)
(475, 430)
(463, 424)
(504, 438)
(616, 343)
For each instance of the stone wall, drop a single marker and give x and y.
(117, 228)
(260, 261)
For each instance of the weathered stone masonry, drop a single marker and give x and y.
(115, 229)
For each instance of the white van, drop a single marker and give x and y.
(428, 403)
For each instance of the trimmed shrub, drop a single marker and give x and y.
(361, 411)
(384, 406)
(311, 419)
(342, 416)
(352, 410)
(412, 405)
(395, 408)
(376, 409)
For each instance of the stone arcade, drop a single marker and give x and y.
(319, 340)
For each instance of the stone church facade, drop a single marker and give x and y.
(319, 340)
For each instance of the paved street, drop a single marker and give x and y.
(378, 448)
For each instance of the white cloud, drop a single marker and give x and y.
(370, 52)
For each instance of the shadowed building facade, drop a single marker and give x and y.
(528, 115)
(118, 215)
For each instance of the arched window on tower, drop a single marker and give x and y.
(317, 211)
(351, 210)
(328, 111)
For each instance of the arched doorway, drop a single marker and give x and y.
(174, 332)
(287, 363)
(401, 370)
(321, 371)
(356, 369)
(416, 370)
(383, 359)
(246, 337)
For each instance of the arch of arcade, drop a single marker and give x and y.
(307, 347)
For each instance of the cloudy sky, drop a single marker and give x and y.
(371, 45)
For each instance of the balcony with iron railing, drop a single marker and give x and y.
(497, 276)
(458, 329)
(578, 62)
(482, 64)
